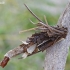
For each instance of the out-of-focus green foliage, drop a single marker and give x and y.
(14, 17)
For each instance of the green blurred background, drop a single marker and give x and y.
(14, 17)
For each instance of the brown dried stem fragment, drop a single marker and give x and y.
(42, 41)
(33, 13)
(47, 36)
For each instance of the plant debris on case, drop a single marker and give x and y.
(38, 42)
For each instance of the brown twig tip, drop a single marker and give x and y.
(4, 62)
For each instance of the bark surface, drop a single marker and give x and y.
(57, 54)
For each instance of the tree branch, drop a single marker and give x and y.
(57, 54)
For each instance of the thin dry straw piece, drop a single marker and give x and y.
(29, 29)
(32, 13)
